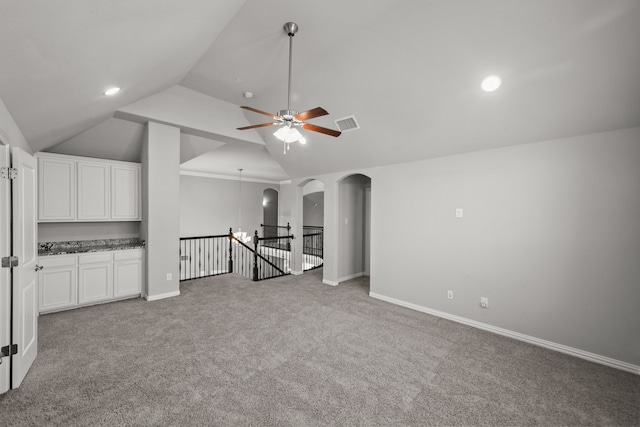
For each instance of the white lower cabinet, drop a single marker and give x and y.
(95, 283)
(127, 273)
(70, 281)
(57, 283)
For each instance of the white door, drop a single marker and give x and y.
(25, 295)
(5, 277)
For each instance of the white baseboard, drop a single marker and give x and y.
(162, 296)
(349, 277)
(342, 279)
(592, 357)
(297, 273)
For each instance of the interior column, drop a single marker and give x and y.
(160, 226)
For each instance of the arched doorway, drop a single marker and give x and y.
(270, 212)
(312, 225)
(354, 226)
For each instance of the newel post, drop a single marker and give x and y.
(230, 250)
(255, 256)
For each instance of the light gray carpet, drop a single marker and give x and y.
(294, 352)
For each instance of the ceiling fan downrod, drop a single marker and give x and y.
(291, 28)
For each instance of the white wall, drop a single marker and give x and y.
(550, 234)
(209, 206)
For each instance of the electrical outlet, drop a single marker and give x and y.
(450, 294)
(484, 302)
(169, 276)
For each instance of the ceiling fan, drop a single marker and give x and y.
(289, 119)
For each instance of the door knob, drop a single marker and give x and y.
(39, 267)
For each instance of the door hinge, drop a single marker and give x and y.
(9, 350)
(8, 173)
(9, 261)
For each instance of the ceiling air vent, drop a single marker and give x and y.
(347, 124)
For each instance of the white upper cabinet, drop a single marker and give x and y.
(125, 193)
(93, 191)
(81, 189)
(56, 189)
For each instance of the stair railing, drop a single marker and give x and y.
(312, 247)
(205, 256)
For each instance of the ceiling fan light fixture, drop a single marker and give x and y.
(288, 134)
(289, 118)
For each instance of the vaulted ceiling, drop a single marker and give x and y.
(408, 70)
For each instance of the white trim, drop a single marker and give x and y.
(46, 154)
(349, 277)
(228, 177)
(297, 273)
(330, 282)
(592, 357)
(162, 296)
(288, 181)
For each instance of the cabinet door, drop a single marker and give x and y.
(127, 278)
(57, 288)
(95, 283)
(56, 190)
(93, 191)
(125, 193)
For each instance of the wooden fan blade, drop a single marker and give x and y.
(258, 126)
(259, 111)
(320, 129)
(311, 114)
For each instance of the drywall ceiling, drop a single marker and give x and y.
(409, 71)
(58, 57)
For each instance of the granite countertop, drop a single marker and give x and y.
(84, 246)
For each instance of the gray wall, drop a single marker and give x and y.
(313, 209)
(10, 134)
(160, 225)
(209, 206)
(550, 234)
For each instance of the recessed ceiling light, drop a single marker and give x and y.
(491, 83)
(112, 91)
